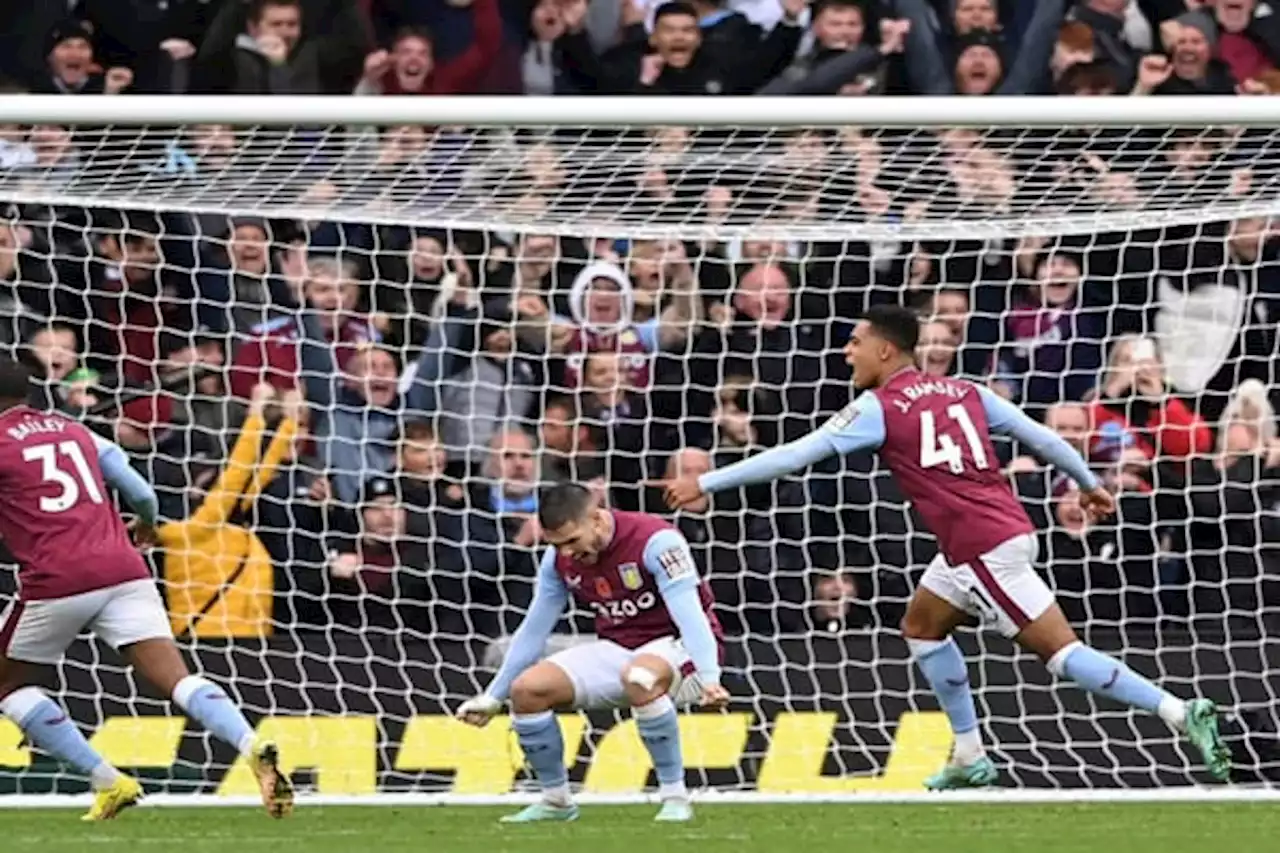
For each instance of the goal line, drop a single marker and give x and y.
(1233, 794)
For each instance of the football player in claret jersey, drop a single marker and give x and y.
(78, 570)
(659, 645)
(934, 435)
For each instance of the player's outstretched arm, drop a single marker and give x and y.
(667, 557)
(120, 474)
(860, 426)
(530, 639)
(1006, 418)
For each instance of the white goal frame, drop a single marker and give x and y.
(578, 111)
(598, 112)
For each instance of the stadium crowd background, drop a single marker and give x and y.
(347, 423)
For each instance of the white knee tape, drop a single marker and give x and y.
(643, 678)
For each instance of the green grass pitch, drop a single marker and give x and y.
(958, 828)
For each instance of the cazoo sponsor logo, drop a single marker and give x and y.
(627, 608)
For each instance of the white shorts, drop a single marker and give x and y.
(40, 631)
(596, 671)
(1001, 587)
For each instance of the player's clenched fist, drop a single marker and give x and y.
(478, 710)
(144, 535)
(681, 492)
(1098, 503)
(714, 696)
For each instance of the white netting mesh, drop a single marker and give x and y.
(813, 183)
(422, 301)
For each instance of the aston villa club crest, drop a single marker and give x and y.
(631, 577)
(603, 589)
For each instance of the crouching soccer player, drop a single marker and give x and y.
(659, 645)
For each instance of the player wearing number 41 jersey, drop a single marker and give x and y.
(77, 570)
(934, 434)
(658, 647)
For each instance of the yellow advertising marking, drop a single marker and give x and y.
(341, 750)
(139, 741)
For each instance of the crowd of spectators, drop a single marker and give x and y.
(703, 47)
(347, 423)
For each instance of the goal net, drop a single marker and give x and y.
(477, 297)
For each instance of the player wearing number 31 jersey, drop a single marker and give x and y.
(77, 570)
(934, 435)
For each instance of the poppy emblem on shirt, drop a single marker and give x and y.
(631, 577)
(603, 589)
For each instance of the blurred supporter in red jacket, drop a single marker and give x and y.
(411, 66)
(331, 290)
(1135, 394)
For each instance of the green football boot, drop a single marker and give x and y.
(980, 773)
(1202, 731)
(675, 811)
(543, 812)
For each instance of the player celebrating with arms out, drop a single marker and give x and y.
(658, 647)
(934, 435)
(77, 569)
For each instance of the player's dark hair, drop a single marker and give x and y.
(15, 382)
(562, 504)
(897, 325)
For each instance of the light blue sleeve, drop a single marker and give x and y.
(647, 332)
(1006, 418)
(530, 639)
(859, 426)
(118, 473)
(669, 560)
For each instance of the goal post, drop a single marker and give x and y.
(1109, 264)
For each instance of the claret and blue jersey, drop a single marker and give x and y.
(934, 434)
(55, 515)
(643, 586)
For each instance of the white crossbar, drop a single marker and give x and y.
(617, 112)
